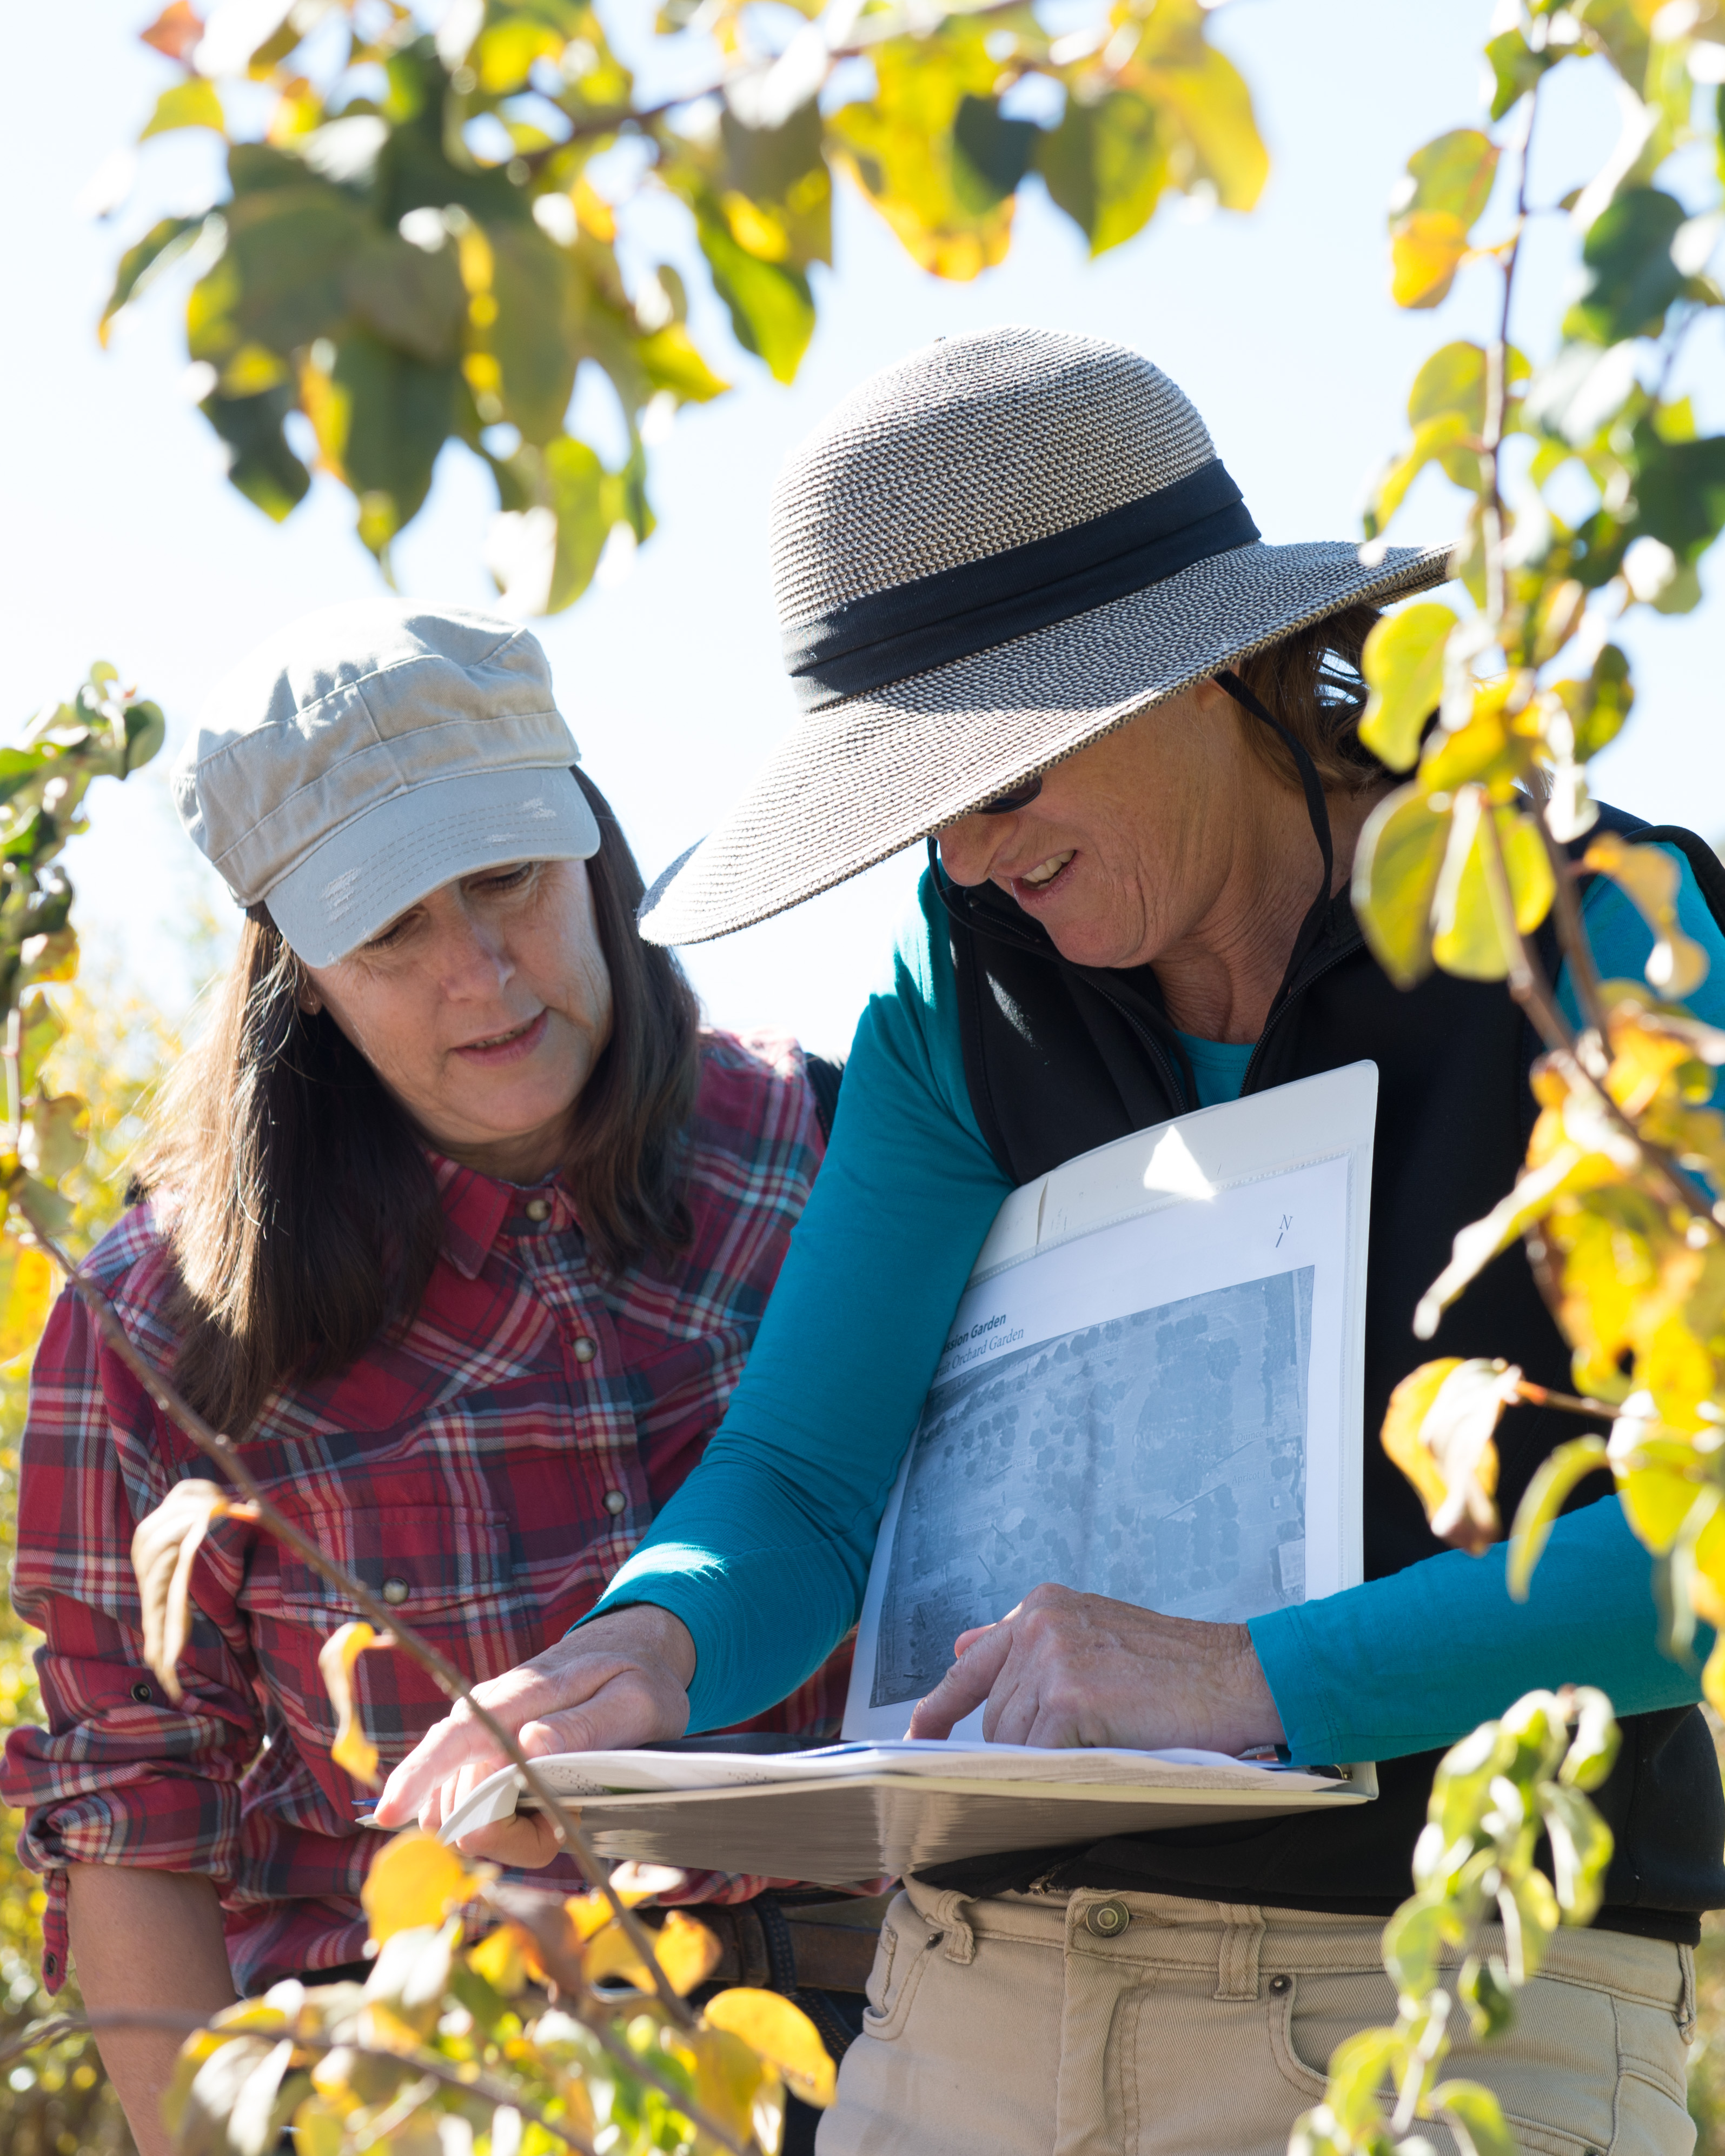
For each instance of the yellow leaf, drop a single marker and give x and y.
(1468, 938)
(728, 2077)
(783, 2035)
(26, 1296)
(163, 1550)
(1403, 663)
(1426, 251)
(352, 1750)
(1650, 879)
(1439, 1431)
(687, 1953)
(1712, 1676)
(412, 1880)
(193, 104)
(503, 1959)
(1396, 866)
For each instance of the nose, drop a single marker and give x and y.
(476, 963)
(969, 847)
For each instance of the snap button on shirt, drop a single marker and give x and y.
(615, 1503)
(395, 1593)
(537, 1209)
(1108, 1919)
(585, 1349)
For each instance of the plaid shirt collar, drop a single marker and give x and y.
(478, 1208)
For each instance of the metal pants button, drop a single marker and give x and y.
(1108, 1919)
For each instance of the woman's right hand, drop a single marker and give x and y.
(621, 1681)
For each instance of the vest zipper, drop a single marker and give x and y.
(1354, 943)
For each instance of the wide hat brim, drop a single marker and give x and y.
(863, 779)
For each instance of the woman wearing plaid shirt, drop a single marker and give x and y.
(458, 1219)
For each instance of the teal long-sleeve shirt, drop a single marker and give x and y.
(764, 1552)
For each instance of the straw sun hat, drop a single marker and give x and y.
(998, 550)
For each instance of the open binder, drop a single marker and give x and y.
(1152, 1390)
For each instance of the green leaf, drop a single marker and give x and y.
(396, 415)
(1599, 706)
(410, 298)
(1105, 166)
(782, 172)
(43, 1027)
(1475, 2118)
(1581, 1845)
(1632, 277)
(260, 462)
(1484, 1986)
(1433, 211)
(56, 1134)
(533, 335)
(1396, 867)
(1452, 176)
(1467, 937)
(1515, 68)
(283, 273)
(1204, 109)
(900, 147)
(1553, 1479)
(990, 155)
(145, 731)
(671, 360)
(1404, 665)
(1594, 1748)
(1413, 1943)
(193, 104)
(772, 307)
(160, 247)
(1436, 440)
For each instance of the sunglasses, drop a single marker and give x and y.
(1020, 797)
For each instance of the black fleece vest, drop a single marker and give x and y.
(1059, 1059)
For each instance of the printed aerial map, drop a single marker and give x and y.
(1158, 1459)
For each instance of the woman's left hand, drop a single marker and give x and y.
(1070, 1668)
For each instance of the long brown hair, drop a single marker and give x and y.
(301, 1207)
(1311, 681)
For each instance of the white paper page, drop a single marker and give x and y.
(1163, 1408)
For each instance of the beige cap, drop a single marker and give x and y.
(371, 752)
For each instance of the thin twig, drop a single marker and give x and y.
(1497, 392)
(468, 2079)
(865, 39)
(443, 1673)
(1542, 1396)
(1572, 933)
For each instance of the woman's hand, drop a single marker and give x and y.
(621, 1681)
(1065, 1668)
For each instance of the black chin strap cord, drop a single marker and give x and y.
(1317, 807)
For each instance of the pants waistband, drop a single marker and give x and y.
(1240, 1942)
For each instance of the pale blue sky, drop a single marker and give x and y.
(121, 540)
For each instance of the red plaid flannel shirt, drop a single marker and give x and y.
(493, 1467)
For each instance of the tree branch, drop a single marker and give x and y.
(448, 1678)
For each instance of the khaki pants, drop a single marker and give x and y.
(1033, 2026)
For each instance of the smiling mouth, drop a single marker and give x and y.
(1044, 872)
(518, 1039)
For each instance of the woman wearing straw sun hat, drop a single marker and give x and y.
(458, 1219)
(1028, 618)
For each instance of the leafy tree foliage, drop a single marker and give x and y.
(111, 1048)
(419, 241)
(1495, 716)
